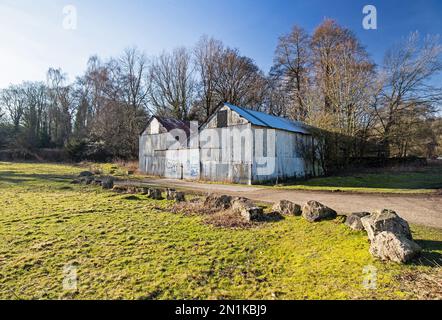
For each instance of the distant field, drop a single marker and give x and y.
(425, 181)
(134, 248)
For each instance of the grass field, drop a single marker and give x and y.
(137, 249)
(422, 181)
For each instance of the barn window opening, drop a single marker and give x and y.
(222, 119)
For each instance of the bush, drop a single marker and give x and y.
(76, 150)
(84, 150)
(49, 155)
(6, 135)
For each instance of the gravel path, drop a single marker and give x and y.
(417, 209)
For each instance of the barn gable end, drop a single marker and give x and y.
(233, 119)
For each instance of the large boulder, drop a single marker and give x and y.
(155, 194)
(247, 209)
(107, 183)
(173, 195)
(216, 202)
(143, 190)
(130, 189)
(314, 211)
(238, 204)
(134, 190)
(120, 189)
(354, 222)
(386, 220)
(252, 213)
(97, 182)
(180, 196)
(170, 194)
(87, 180)
(388, 246)
(85, 174)
(286, 207)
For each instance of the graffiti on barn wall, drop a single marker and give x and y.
(172, 166)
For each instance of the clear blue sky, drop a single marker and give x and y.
(32, 37)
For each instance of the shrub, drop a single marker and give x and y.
(80, 150)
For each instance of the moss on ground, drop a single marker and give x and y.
(137, 249)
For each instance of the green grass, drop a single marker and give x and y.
(136, 249)
(424, 181)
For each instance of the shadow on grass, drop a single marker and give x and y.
(431, 255)
(132, 198)
(12, 177)
(272, 217)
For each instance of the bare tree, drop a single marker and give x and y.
(240, 81)
(291, 67)
(13, 99)
(277, 100)
(207, 55)
(344, 77)
(132, 82)
(96, 86)
(60, 107)
(133, 78)
(406, 87)
(172, 84)
(35, 114)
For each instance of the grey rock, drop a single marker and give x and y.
(314, 211)
(286, 207)
(216, 202)
(120, 189)
(239, 204)
(87, 180)
(386, 220)
(107, 183)
(133, 190)
(388, 246)
(354, 222)
(252, 213)
(96, 182)
(247, 209)
(173, 195)
(143, 190)
(170, 194)
(85, 174)
(155, 194)
(180, 197)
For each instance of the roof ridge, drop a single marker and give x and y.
(269, 120)
(252, 115)
(285, 118)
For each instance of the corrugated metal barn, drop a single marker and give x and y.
(235, 145)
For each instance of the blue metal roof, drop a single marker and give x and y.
(266, 120)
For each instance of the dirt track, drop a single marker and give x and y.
(418, 209)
